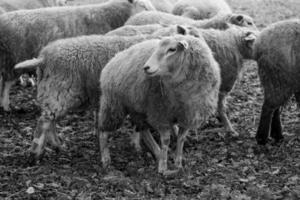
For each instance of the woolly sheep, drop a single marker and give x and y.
(218, 22)
(201, 9)
(11, 5)
(230, 48)
(277, 52)
(132, 30)
(159, 83)
(68, 73)
(155, 30)
(24, 33)
(163, 5)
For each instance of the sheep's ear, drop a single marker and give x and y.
(181, 30)
(183, 45)
(250, 39)
(130, 1)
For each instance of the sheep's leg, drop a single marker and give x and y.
(224, 118)
(136, 141)
(151, 143)
(179, 148)
(264, 124)
(1, 87)
(297, 96)
(276, 128)
(163, 158)
(45, 126)
(5, 95)
(104, 149)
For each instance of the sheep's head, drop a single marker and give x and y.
(141, 5)
(248, 39)
(167, 58)
(242, 20)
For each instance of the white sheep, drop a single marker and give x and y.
(201, 9)
(23, 33)
(230, 47)
(159, 84)
(68, 73)
(277, 52)
(218, 22)
(9, 5)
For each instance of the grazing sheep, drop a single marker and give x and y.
(24, 33)
(201, 9)
(11, 5)
(159, 83)
(217, 22)
(68, 75)
(277, 52)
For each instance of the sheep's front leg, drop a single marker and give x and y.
(5, 95)
(182, 133)
(151, 143)
(264, 124)
(224, 118)
(276, 127)
(163, 158)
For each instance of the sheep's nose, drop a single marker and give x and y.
(146, 68)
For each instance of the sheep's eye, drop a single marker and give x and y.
(171, 50)
(250, 23)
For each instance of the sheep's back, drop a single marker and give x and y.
(277, 51)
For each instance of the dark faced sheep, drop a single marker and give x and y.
(24, 33)
(68, 75)
(217, 22)
(201, 9)
(11, 5)
(277, 52)
(159, 83)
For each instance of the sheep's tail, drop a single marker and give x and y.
(29, 65)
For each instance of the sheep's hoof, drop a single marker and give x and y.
(261, 141)
(170, 172)
(33, 159)
(105, 162)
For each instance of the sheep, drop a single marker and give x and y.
(159, 84)
(155, 30)
(277, 52)
(67, 73)
(201, 9)
(163, 5)
(9, 5)
(230, 47)
(132, 30)
(218, 22)
(24, 33)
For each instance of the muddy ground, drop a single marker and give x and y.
(216, 166)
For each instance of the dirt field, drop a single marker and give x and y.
(216, 166)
